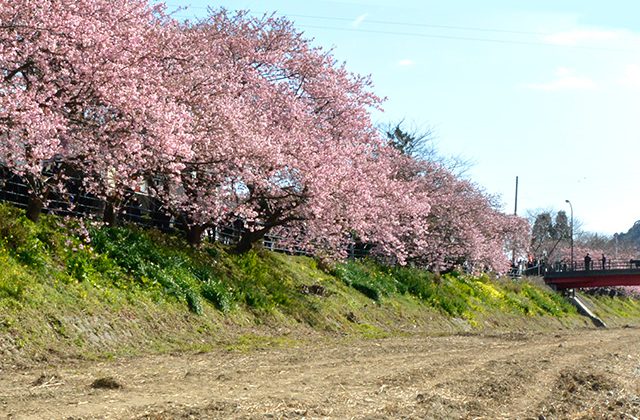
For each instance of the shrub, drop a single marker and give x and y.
(218, 295)
(368, 291)
(367, 277)
(418, 283)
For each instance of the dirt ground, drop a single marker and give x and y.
(580, 374)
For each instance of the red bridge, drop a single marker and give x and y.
(611, 274)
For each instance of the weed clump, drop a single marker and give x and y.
(106, 383)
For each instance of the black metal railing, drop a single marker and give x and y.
(143, 210)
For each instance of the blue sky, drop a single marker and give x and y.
(546, 90)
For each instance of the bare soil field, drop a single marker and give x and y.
(586, 374)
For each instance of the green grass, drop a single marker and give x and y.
(622, 309)
(90, 291)
(453, 294)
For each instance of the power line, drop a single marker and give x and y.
(423, 25)
(463, 38)
(435, 35)
(398, 23)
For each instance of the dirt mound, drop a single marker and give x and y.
(592, 392)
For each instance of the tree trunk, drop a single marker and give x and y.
(194, 234)
(34, 209)
(248, 240)
(109, 216)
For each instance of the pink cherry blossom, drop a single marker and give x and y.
(231, 119)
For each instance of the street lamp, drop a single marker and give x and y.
(571, 206)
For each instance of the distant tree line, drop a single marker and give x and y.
(551, 240)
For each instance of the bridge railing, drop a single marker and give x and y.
(594, 264)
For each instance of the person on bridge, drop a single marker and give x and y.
(604, 262)
(587, 262)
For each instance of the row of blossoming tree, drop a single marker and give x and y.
(230, 118)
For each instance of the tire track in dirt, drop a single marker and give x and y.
(518, 384)
(452, 386)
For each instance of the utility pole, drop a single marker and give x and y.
(571, 207)
(515, 210)
(515, 213)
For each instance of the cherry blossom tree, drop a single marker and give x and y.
(282, 137)
(465, 226)
(81, 87)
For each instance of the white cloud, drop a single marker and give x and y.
(358, 21)
(406, 62)
(564, 72)
(565, 79)
(579, 36)
(631, 76)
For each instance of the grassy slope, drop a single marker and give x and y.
(71, 291)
